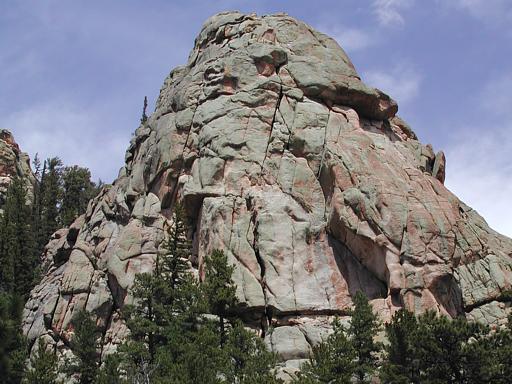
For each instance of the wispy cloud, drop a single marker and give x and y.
(389, 12)
(486, 10)
(479, 172)
(401, 82)
(53, 129)
(350, 39)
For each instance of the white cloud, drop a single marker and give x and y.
(66, 130)
(402, 82)
(389, 12)
(350, 39)
(487, 10)
(479, 172)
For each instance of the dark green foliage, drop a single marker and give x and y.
(173, 267)
(200, 360)
(332, 361)
(219, 288)
(401, 365)
(145, 318)
(12, 342)
(347, 354)
(364, 326)
(84, 345)
(17, 253)
(174, 339)
(434, 349)
(111, 372)
(44, 366)
(499, 355)
(247, 359)
(61, 194)
(50, 193)
(77, 190)
(164, 301)
(144, 117)
(446, 349)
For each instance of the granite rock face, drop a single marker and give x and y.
(302, 174)
(13, 163)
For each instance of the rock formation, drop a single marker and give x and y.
(13, 163)
(302, 174)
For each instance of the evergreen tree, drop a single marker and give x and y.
(364, 326)
(144, 117)
(43, 367)
(50, 192)
(219, 288)
(77, 190)
(199, 360)
(346, 354)
(247, 359)
(17, 254)
(145, 317)
(84, 345)
(332, 361)
(111, 372)
(448, 350)
(36, 206)
(499, 355)
(177, 248)
(401, 364)
(163, 301)
(174, 338)
(12, 345)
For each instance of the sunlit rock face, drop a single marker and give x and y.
(302, 174)
(13, 163)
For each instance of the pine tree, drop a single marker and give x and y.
(163, 302)
(50, 190)
(219, 288)
(144, 117)
(247, 359)
(36, 206)
(145, 317)
(445, 348)
(364, 326)
(401, 364)
(77, 190)
(499, 353)
(332, 361)
(84, 345)
(17, 248)
(43, 366)
(12, 345)
(111, 372)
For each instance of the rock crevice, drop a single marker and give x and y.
(302, 174)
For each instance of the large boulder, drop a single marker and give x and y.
(302, 174)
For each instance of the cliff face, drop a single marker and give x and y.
(302, 174)
(13, 163)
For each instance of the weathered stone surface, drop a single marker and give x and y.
(302, 174)
(14, 163)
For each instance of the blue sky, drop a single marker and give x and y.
(74, 74)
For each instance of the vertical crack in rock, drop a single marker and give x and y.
(267, 312)
(229, 97)
(278, 103)
(324, 147)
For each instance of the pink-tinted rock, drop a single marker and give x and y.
(302, 174)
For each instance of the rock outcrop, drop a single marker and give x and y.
(302, 174)
(13, 163)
